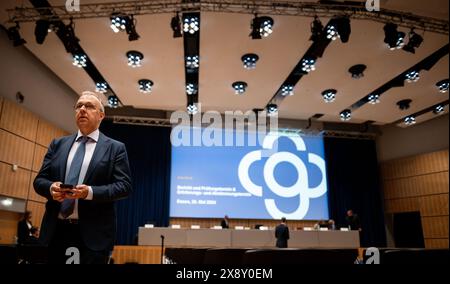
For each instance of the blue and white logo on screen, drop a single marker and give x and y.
(299, 189)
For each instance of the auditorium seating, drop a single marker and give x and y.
(411, 256)
(300, 256)
(238, 256)
(186, 255)
(224, 256)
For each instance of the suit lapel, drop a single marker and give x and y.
(99, 152)
(65, 149)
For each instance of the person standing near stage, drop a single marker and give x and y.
(225, 223)
(282, 234)
(82, 175)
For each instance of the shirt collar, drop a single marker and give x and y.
(93, 135)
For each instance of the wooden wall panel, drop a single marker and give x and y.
(14, 183)
(421, 185)
(435, 227)
(46, 132)
(39, 154)
(37, 210)
(1, 107)
(401, 205)
(8, 226)
(18, 120)
(137, 254)
(16, 150)
(32, 195)
(434, 205)
(416, 165)
(436, 243)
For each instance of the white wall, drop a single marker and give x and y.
(45, 93)
(396, 142)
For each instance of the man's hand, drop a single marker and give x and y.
(79, 192)
(56, 192)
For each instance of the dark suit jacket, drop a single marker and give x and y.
(282, 235)
(224, 224)
(23, 232)
(109, 176)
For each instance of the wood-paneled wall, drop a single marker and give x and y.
(137, 254)
(209, 223)
(24, 138)
(420, 183)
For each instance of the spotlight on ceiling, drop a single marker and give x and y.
(443, 85)
(118, 22)
(439, 109)
(249, 60)
(410, 120)
(175, 24)
(373, 99)
(412, 77)
(308, 64)
(79, 60)
(287, 90)
(414, 42)
(192, 108)
(191, 89)
(130, 28)
(316, 29)
(113, 101)
(339, 28)
(329, 95)
(393, 38)
(101, 87)
(345, 115)
(272, 109)
(134, 58)
(145, 86)
(261, 27)
(357, 71)
(41, 30)
(191, 24)
(192, 62)
(239, 87)
(14, 35)
(404, 104)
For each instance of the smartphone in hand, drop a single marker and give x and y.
(67, 188)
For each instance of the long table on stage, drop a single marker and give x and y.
(230, 238)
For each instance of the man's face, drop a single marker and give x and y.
(349, 213)
(88, 114)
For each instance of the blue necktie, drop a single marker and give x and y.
(68, 205)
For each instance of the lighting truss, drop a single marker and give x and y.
(290, 8)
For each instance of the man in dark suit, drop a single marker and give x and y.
(225, 222)
(282, 234)
(353, 221)
(82, 218)
(24, 228)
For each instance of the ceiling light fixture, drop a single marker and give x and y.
(409, 120)
(191, 24)
(14, 35)
(101, 87)
(308, 64)
(79, 60)
(249, 60)
(357, 71)
(287, 90)
(414, 42)
(272, 109)
(345, 115)
(134, 58)
(443, 85)
(113, 101)
(393, 38)
(329, 95)
(412, 76)
(373, 99)
(439, 109)
(239, 87)
(316, 29)
(145, 86)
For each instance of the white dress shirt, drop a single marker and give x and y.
(90, 147)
